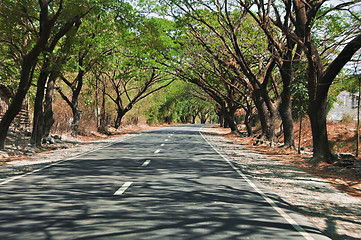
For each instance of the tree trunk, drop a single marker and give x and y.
(321, 148)
(27, 68)
(48, 104)
(220, 115)
(228, 114)
(37, 133)
(120, 115)
(102, 125)
(28, 64)
(267, 122)
(300, 135)
(285, 108)
(77, 114)
(203, 117)
(247, 123)
(194, 116)
(285, 111)
(358, 115)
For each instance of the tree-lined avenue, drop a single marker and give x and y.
(141, 190)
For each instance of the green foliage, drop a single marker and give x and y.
(178, 103)
(299, 91)
(129, 38)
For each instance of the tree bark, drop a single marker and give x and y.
(77, 114)
(37, 133)
(317, 114)
(285, 108)
(247, 123)
(266, 119)
(102, 125)
(48, 104)
(300, 135)
(118, 121)
(229, 119)
(319, 83)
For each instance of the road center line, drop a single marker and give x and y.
(123, 188)
(157, 151)
(146, 163)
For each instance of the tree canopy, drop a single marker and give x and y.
(180, 61)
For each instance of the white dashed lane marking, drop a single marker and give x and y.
(123, 188)
(146, 163)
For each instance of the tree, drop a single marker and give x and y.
(128, 87)
(91, 45)
(246, 51)
(286, 52)
(18, 19)
(130, 71)
(45, 72)
(321, 73)
(180, 102)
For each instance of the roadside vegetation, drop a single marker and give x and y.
(94, 66)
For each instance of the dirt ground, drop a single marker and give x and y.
(342, 140)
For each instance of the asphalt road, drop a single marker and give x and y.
(165, 184)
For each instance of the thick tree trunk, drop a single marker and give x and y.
(321, 148)
(194, 116)
(77, 114)
(220, 117)
(285, 110)
(11, 113)
(118, 120)
(267, 121)
(37, 133)
(228, 114)
(203, 117)
(25, 80)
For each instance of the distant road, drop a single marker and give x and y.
(164, 184)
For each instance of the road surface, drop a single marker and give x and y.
(164, 184)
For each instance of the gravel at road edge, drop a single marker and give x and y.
(25, 165)
(335, 213)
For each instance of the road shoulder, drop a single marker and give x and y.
(333, 211)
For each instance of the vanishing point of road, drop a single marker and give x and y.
(164, 184)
